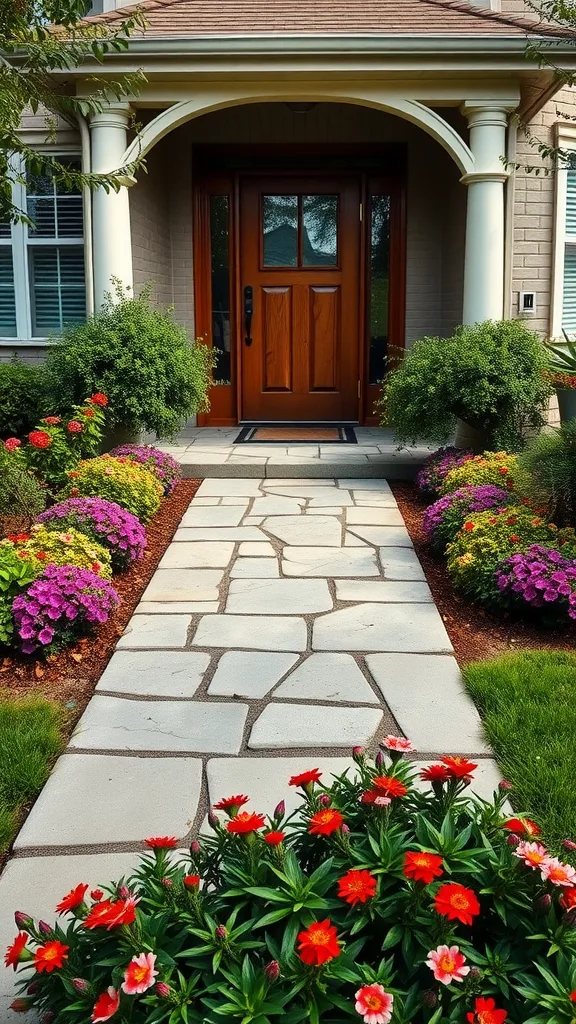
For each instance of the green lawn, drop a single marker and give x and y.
(30, 738)
(528, 703)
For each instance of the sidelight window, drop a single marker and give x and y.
(379, 296)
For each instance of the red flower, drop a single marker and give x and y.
(390, 786)
(191, 881)
(161, 843)
(485, 1012)
(88, 412)
(468, 527)
(457, 903)
(40, 439)
(97, 894)
(11, 444)
(74, 898)
(514, 538)
(568, 899)
(99, 399)
(325, 822)
(573, 996)
(106, 1005)
(274, 838)
(503, 470)
(459, 767)
(52, 420)
(50, 955)
(435, 773)
(357, 887)
(318, 944)
(41, 555)
(423, 867)
(18, 538)
(512, 520)
(245, 823)
(12, 954)
(231, 804)
(305, 778)
(108, 914)
(74, 427)
(523, 826)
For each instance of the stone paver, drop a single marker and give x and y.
(266, 633)
(250, 673)
(91, 800)
(112, 723)
(204, 555)
(329, 562)
(220, 533)
(382, 590)
(184, 585)
(229, 487)
(176, 607)
(274, 505)
(401, 564)
(278, 597)
(256, 550)
(156, 631)
(371, 516)
(282, 726)
(319, 530)
(383, 536)
(375, 627)
(333, 677)
(427, 698)
(265, 779)
(221, 515)
(154, 673)
(255, 569)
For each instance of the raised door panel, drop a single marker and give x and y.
(325, 332)
(276, 304)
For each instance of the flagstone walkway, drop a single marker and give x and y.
(288, 621)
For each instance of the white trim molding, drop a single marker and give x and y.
(565, 139)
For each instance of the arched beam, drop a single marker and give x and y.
(409, 110)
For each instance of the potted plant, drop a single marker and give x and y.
(141, 359)
(488, 383)
(562, 366)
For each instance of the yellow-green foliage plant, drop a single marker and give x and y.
(495, 468)
(120, 480)
(69, 547)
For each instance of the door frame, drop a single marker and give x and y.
(217, 170)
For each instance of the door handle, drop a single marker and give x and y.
(248, 313)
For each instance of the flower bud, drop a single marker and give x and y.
(21, 1005)
(543, 903)
(44, 928)
(513, 840)
(80, 984)
(221, 932)
(504, 786)
(474, 974)
(167, 883)
(345, 830)
(96, 895)
(163, 990)
(569, 844)
(212, 819)
(124, 892)
(272, 970)
(33, 988)
(23, 921)
(194, 849)
(325, 800)
(279, 810)
(379, 759)
(430, 999)
(357, 752)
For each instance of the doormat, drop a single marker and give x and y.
(287, 434)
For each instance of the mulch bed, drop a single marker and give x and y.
(71, 676)
(475, 633)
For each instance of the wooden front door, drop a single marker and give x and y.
(300, 305)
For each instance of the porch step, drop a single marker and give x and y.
(385, 468)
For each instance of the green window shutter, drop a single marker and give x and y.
(57, 287)
(569, 303)
(7, 294)
(571, 203)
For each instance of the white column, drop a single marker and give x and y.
(112, 239)
(484, 254)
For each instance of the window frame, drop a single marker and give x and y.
(20, 244)
(565, 140)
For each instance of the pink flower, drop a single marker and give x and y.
(374, 1004)
(553, 870)
(11, 444)
(140, 974)
(447, 964)
(534, 855)
(398, 743)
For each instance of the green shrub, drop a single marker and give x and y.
(120, 480)
(22, 497)
(546, 473)
(22, 399)
(15, 573)
(489, 468)
(70, 547)
(491, 375)
(487, 538)
(140, 358)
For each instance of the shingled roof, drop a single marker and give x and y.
(325, 17)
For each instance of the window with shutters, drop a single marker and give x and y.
(569, 291)
(42, 285)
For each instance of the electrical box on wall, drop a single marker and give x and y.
(527, 303)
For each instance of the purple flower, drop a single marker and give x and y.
(446, 516)
(163, 466)
(106, 522)
(437, 466)
(540, 576)
(60, 605)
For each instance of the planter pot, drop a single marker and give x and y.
(566, 403)
(120, 435)
(475, 438)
